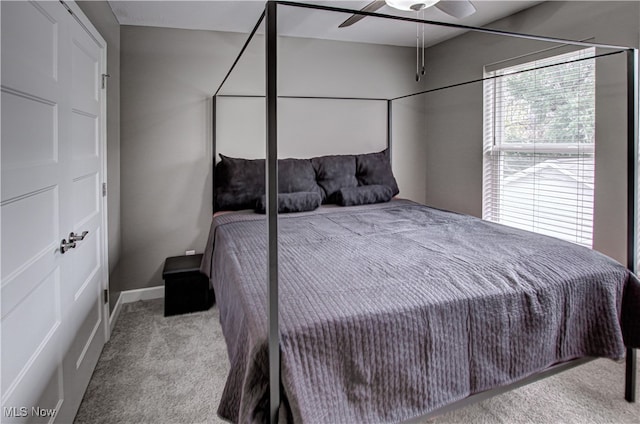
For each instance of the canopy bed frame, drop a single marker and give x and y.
(269, 16)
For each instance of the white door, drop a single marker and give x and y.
(52, 316)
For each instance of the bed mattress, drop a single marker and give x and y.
(390, 311)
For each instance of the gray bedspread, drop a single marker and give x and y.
(389, 311)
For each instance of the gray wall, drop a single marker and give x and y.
(455, 120)
(168, 76)
(100, 14)
(307, 127)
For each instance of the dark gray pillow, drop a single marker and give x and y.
(292, 202)
(296, 175)
(334, 173)
(375, 169)
(239, 183)
(364, 195)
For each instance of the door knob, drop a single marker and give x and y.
(64, 245)
(73, 237)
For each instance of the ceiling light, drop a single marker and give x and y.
(414, 5)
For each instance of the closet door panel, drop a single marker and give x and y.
(35, 103)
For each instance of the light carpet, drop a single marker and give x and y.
(172, 370)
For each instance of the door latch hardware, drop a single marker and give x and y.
(65, 246)
(73, 237)
(104, 80)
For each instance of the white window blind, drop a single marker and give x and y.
(539, 134)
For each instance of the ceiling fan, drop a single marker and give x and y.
(456, 8)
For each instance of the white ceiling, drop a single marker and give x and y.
(242, 15)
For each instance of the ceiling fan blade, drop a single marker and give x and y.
(457, 8)
(371, 7)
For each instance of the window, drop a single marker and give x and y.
(539, 134)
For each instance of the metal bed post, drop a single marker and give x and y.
(213, 153)
(630, 376)
(632, 200)
(271, 74)
(389, 127)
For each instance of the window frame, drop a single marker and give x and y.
(494, 146)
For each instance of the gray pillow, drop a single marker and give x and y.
(364, 195)
(239, 183)
(334, 173)
(292, 202)
(296, 175)
(375, 169)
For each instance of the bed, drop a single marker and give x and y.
(391, 310)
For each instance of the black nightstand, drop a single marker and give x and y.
(185, 288)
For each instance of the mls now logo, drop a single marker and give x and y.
(23, 411)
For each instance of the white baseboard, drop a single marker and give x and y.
(148, 293)
(113, 316)
(130, 296)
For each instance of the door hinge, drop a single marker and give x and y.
(104, 189)
(106, 295)
(104, 80)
